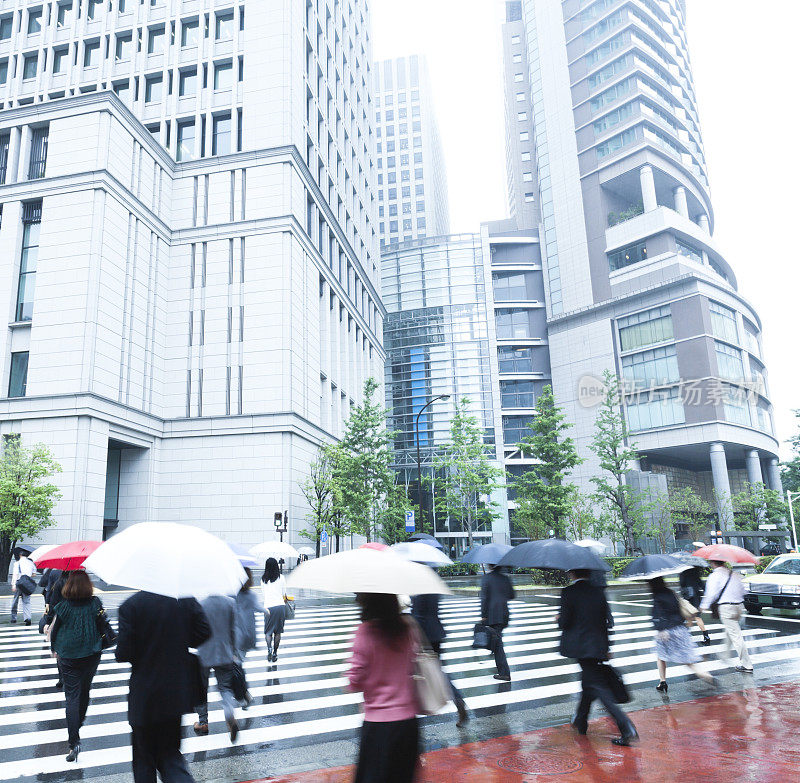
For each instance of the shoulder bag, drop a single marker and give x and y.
(481, 637)
(714, 607)
(614, 682)
(430, 683)
(25, 585)
(108, 636)
(688, 611)
(290, 608)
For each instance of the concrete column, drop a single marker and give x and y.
(702, 221)
(753, 463)
(12, 164)
(681, 207)
(24, 154)
(648, 183)
(722, 487)
(774, 475)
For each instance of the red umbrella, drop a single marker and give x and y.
(68, 557)
(374, 545)
(726, 553)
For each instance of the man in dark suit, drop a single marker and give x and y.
(585, 620)
(155, 633)
(496, 592)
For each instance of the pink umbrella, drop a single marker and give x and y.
(726, 553)
(374, 545)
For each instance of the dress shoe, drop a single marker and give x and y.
(201, 729)
(629, 736)
(248, 700)
(745, 669)
(233, 728)
(73, 752)
(27, 622)
(662, 686)
(59, 685)
(580, 728)
(13, 619)
(463, 716)
(503, 677)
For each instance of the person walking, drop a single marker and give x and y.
(725, 588)
(674, 643)
(218, 652)
(382, 668)
(691, 583)
(48, 581)
(155, 634)
(247, 604)
(273, 589)
(496, 592)
(75, 640)
(23, 568)
(425, 610)
(585, 620)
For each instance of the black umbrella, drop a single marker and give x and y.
(26, 547)
(487, 554)
(686, 558)
(425, 538)
(651, 566)
(555, 554)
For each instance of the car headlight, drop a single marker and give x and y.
(791, 589)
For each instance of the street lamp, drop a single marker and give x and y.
(791, 515)
(419, 459)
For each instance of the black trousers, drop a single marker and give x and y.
(594, 686)
(458, 699)
(499, 652)
(157, 746)
(77, 675)
(388, 752)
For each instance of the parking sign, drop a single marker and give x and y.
(410, 527)
(323, 538)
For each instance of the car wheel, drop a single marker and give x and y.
(752, 608)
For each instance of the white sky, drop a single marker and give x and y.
(745, 67)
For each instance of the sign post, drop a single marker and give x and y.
(323, 538)
(410, 526)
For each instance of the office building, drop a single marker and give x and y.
(412, 179)
(189, 259)
(635, 281)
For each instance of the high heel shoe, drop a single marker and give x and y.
(73, 752)
(662, 686)
(706, 640)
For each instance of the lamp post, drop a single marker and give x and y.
(789, 495)
(419, 458)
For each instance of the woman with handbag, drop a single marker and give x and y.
(382, 668)
(674, 643)
(273, 590)
(76, 640)
(692, 591)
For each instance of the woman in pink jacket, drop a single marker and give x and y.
(382, 667)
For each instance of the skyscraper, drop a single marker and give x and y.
(187, 251)
(412, 180)
(636, 283)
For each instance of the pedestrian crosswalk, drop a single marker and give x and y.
(303, 696)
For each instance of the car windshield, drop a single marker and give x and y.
(784, 565)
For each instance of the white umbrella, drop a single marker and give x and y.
(596, 546)
(178, 561)
(419, 552)
(276, 549)
(306, 550)
(366, 571)
(40, 551)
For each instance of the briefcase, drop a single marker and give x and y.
(481, 637)
(615, 684)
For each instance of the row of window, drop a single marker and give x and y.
(406, 207)
(405, 192)
(37, 160)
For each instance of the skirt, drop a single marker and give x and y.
(679, 646)
(388, 752)
(274, 623)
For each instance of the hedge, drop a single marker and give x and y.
(764, 562)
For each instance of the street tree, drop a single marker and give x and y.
(616, 455)
(27, 497)
(321, 493)
(659, 522)
(790, 470)
(543, 493)
(365, 480)
(465, 476)
(689, 510)
(582, 520)
(756, 505)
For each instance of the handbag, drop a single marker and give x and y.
(25, 585)
(688, 611)
(290, 608)
(615, 683)
(481, 637)
(108, 636)
(430, 683)
(42, 623)
(238, 682)
(714, 607)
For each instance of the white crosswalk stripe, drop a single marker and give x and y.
(304, 694)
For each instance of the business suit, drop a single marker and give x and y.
(496, 592)
(585, 620)
(155, 633)
(219, 653)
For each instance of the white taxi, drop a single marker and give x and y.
(777, 587)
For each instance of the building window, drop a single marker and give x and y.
(3, 71)
(29, 65)
(527, 176)
(751, 338)
(658, 366)
(626, 256)
(34, 21)
(616, 143)
(6, 26)
(511, 286)
(689, 251)
(153, 89)
(122, 89)
(514, 360)
(529, 198)
(647, 328)
(93, 8)
(190, 33)
(124, 48)
(515, 428)
(155, 41)
(4, 142)
(18, 378)
(188, 83)
(64, 16)
(517, 77)
(223, 76)
(729, 362)
(515, 39)
(224, 28)
(723, 322)
(31, 221)
(38, 159)
(517, 58)
(91, 54)
(60, 60)
(658, 408)
(512, 324)
(736, 406)
(517, 394)
(524, 136)
(221, 140)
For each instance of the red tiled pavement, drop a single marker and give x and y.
(749, 736)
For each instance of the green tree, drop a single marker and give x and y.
(465, 474)
(610, 444)
(26, 498)
(691, 511)
(756, 505)
(790, 471)
(659, 522)
(362, 473)
(393, 516)
(543, 494)
(582, 520)
(321, 493)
